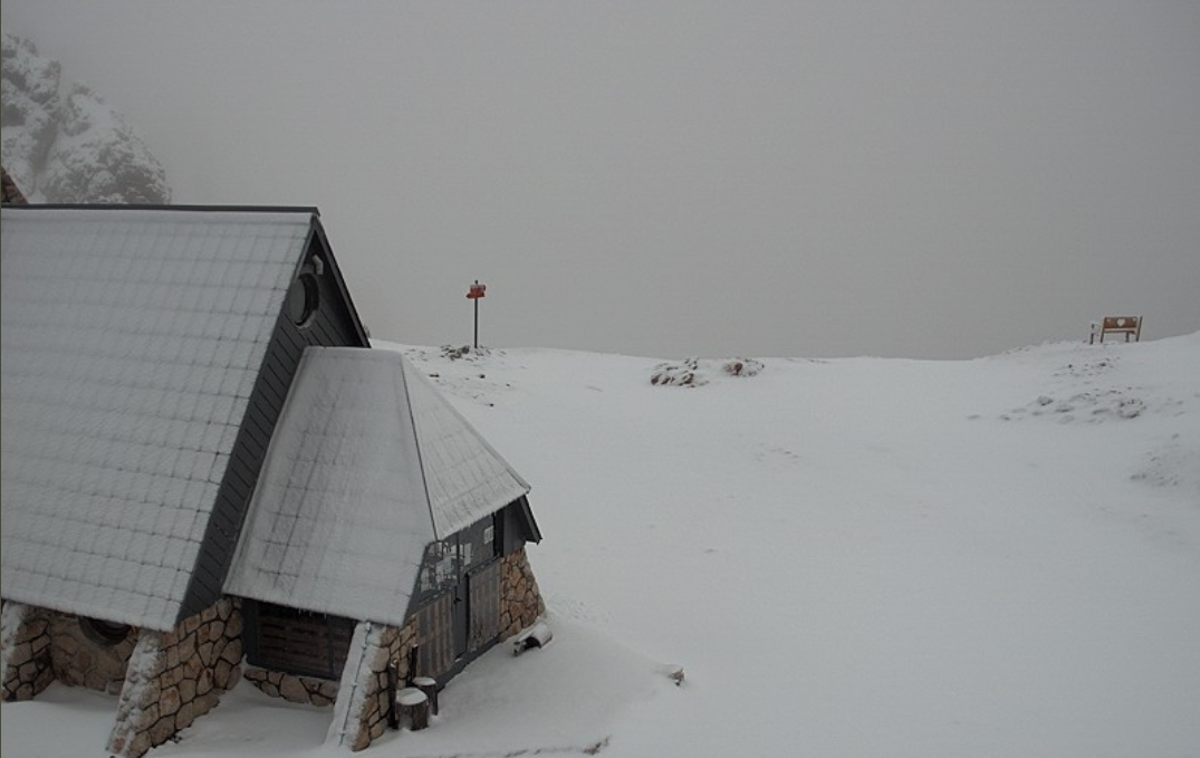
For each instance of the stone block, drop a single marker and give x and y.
(36, 624)
(140, 745)
(192, 667)
(187, 647)
(116, 744)
(170, 701)
(27, 671)
(232, 652)
(255, 675)
(206, 653)
(185, 716)
(190, 624)
(163, 730)
(205, 703)
(222, 675)
(21, 654)
(233, 626)
(109, 667)
(362, 741)
(150, 694)
(187, 691)
(292, 689)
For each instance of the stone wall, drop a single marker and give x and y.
(174, 678)
(80, 661)
(27, 663)
(297, 689)
(52, 645)
(364, 697)
(520, 601)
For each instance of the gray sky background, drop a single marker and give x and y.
(823, 178)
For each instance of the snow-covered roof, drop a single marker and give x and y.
(369, 464)
(131, 341)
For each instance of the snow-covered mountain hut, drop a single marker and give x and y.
(207, 472)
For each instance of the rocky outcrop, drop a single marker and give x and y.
(72, 147)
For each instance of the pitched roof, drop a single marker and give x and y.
(131, 341)
(369, 464)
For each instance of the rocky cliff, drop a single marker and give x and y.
(61, 142)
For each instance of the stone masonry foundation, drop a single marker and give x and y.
(361, 714)
(521, 602)
(305, 690)
(174, 678)
(28, 667)
(49, 645)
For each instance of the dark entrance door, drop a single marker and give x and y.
(462, 616)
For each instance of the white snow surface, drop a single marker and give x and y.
(369, 464)
(131, 342)
(849, 558)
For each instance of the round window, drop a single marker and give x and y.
(104, 632)
(303, 299)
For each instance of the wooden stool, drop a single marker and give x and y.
(413, 706)
(428, 685)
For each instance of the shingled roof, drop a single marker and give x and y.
(132, 340)
(369, 465)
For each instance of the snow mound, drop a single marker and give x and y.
(1173, 464)
(1088, 407)
(696, 372)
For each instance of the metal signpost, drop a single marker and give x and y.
(476, 292)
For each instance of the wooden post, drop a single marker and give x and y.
(428, 685)
(414, 708)
(393, 677)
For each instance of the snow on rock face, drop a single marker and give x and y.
(74, 148)
(28, 102)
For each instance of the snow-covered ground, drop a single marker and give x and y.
(852, 557)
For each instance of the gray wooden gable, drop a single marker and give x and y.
(146, 354)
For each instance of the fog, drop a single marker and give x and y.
(923, 179)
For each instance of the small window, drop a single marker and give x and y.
(303, 299)
(104, 632)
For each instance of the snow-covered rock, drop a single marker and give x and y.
(61, 142)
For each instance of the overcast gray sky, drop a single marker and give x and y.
(824, 178)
